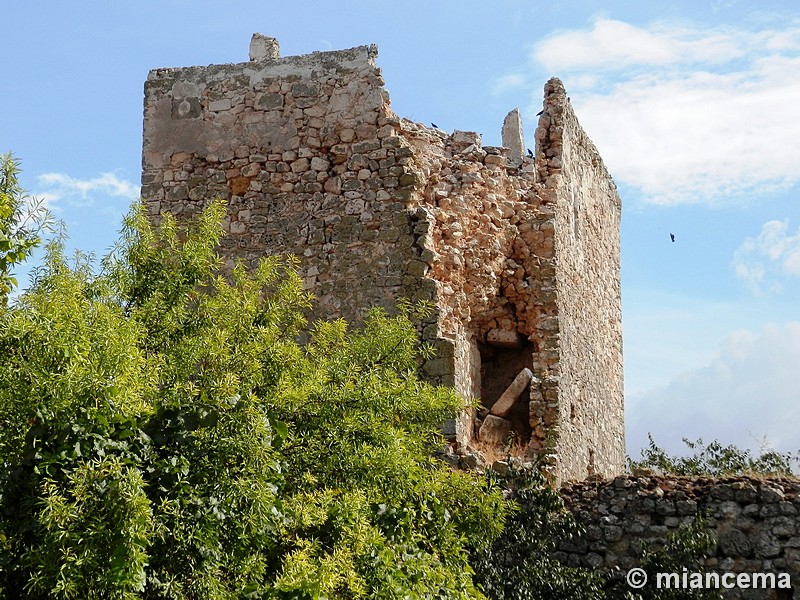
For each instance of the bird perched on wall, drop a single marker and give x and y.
(530, 154)
(672, 237)
(539, 114)
(434, 125)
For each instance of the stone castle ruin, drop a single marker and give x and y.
(519, 254)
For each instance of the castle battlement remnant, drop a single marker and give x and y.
(519, 254)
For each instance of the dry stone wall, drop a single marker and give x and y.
(754, 521)
(313, 162)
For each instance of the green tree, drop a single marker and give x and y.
(22, 221)
(164, 436)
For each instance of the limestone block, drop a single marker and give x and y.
(506, 402)
(263, 47)
(494, 430)
(501, 338)
(512, 136)
(463, 140)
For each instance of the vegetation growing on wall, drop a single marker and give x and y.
(520, 563)
(715, 460)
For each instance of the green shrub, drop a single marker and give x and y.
(519, 564)
(715, 460)
(164, 436)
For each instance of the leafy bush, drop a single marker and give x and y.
(715, 460)
(519, 564)
(164, 436)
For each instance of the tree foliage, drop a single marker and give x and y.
(22, 220)
(164, 435)
(520, 563)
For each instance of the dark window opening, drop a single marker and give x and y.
(499, 368)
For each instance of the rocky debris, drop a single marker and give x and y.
(494, 430)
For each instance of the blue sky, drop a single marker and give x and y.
(695, 107)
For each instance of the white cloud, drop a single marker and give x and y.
(772, 255)
(508, 82)
(615, 44)
(746, 394)
(686, 114)
(55, 187)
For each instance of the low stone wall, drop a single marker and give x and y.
(754, 521)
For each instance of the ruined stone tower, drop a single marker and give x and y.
(519, 255)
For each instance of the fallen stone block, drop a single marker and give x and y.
(494, 430)
(506, 402)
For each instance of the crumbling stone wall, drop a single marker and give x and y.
(313, 162)
(307, 154)
(587, 249)
(755, 522)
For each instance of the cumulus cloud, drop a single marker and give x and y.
(774, 254)
(677, 111)
(57, 187)
(746, 395)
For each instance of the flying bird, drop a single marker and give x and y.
(672, 236)
(434, 125)
(539, 114)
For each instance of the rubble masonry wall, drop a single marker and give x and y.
(754, 521)
(313, 162)
(587, 270)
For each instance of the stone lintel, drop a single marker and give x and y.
(502, 338)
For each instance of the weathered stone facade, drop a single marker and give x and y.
(755, 523)
(519, 255)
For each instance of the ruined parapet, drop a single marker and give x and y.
(512, 135)
(263, 47)
(314, 163)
